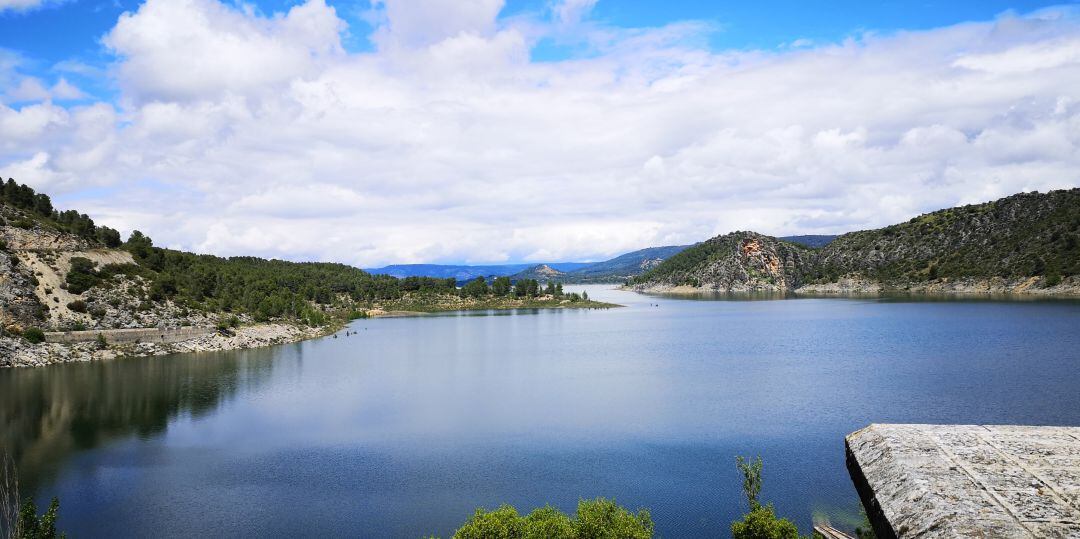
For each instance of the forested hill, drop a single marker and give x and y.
(61, 271)
(1015, 243)
(1024, 235)
(108, 283)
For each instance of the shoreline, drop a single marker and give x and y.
(994, 288)
(18, 353)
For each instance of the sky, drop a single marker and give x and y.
(491, 131)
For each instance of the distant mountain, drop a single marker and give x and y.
(811, 240)
(464, 272)
(616, 270)
(1028, 242)
(622, 267)
(539, 272)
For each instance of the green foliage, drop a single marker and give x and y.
(501, 286)
(476, 288)
(526, 288)
(226, 322)
(82, 276)
(762, 523)
(109, 237)
(595, 519)
(102, 343)
(33, 335)
(78, 306)
(1024, 235)
(602, 518)
(32, 526)
(751, 471)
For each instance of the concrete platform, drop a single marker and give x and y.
(968, 480)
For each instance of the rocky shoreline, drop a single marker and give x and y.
(20, 353)
(1031, 287)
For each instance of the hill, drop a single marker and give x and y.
(812, 240)
(1025, 243)
(540, 272)
(740, 261)
(622, 267)
(61, 272)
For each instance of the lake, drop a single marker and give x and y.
(404, 428)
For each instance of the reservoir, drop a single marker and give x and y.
(405, 427)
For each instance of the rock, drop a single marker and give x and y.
(968, 480)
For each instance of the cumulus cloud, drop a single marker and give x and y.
(192, 49)
(260, 135)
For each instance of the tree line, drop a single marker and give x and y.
(39, 204)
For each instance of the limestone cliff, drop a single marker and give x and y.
(737, 262)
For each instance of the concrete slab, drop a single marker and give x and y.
(968, 480)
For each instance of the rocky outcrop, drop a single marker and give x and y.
(923, 481)
(19, 306)
(736, 262)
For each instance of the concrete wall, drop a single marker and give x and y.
(118, 336)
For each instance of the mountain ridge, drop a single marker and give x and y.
(1024, 243)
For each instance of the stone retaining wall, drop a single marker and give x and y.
(137, 335)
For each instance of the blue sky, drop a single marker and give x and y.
(71, 30)
(484, 131)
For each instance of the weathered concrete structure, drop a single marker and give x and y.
(136, 335)
(968, 480)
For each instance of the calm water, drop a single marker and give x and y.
(403, 429)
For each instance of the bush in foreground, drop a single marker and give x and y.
(595, 519)
(761, 522)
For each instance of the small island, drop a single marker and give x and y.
(425, 295)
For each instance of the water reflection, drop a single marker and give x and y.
(47, 414)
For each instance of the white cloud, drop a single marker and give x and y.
(239, 133)
(190, 49)
(572, 11)
(417, 23)
(65, 91)
(28, 89)
(25, 5)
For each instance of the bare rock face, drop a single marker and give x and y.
(19, 306)
(968, 480)
(736, 262)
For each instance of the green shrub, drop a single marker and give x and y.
(31, 526)
(82, 276)
(78, 306)
(595, 519)
(762, 523)
(34, 335)
(101, 342)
